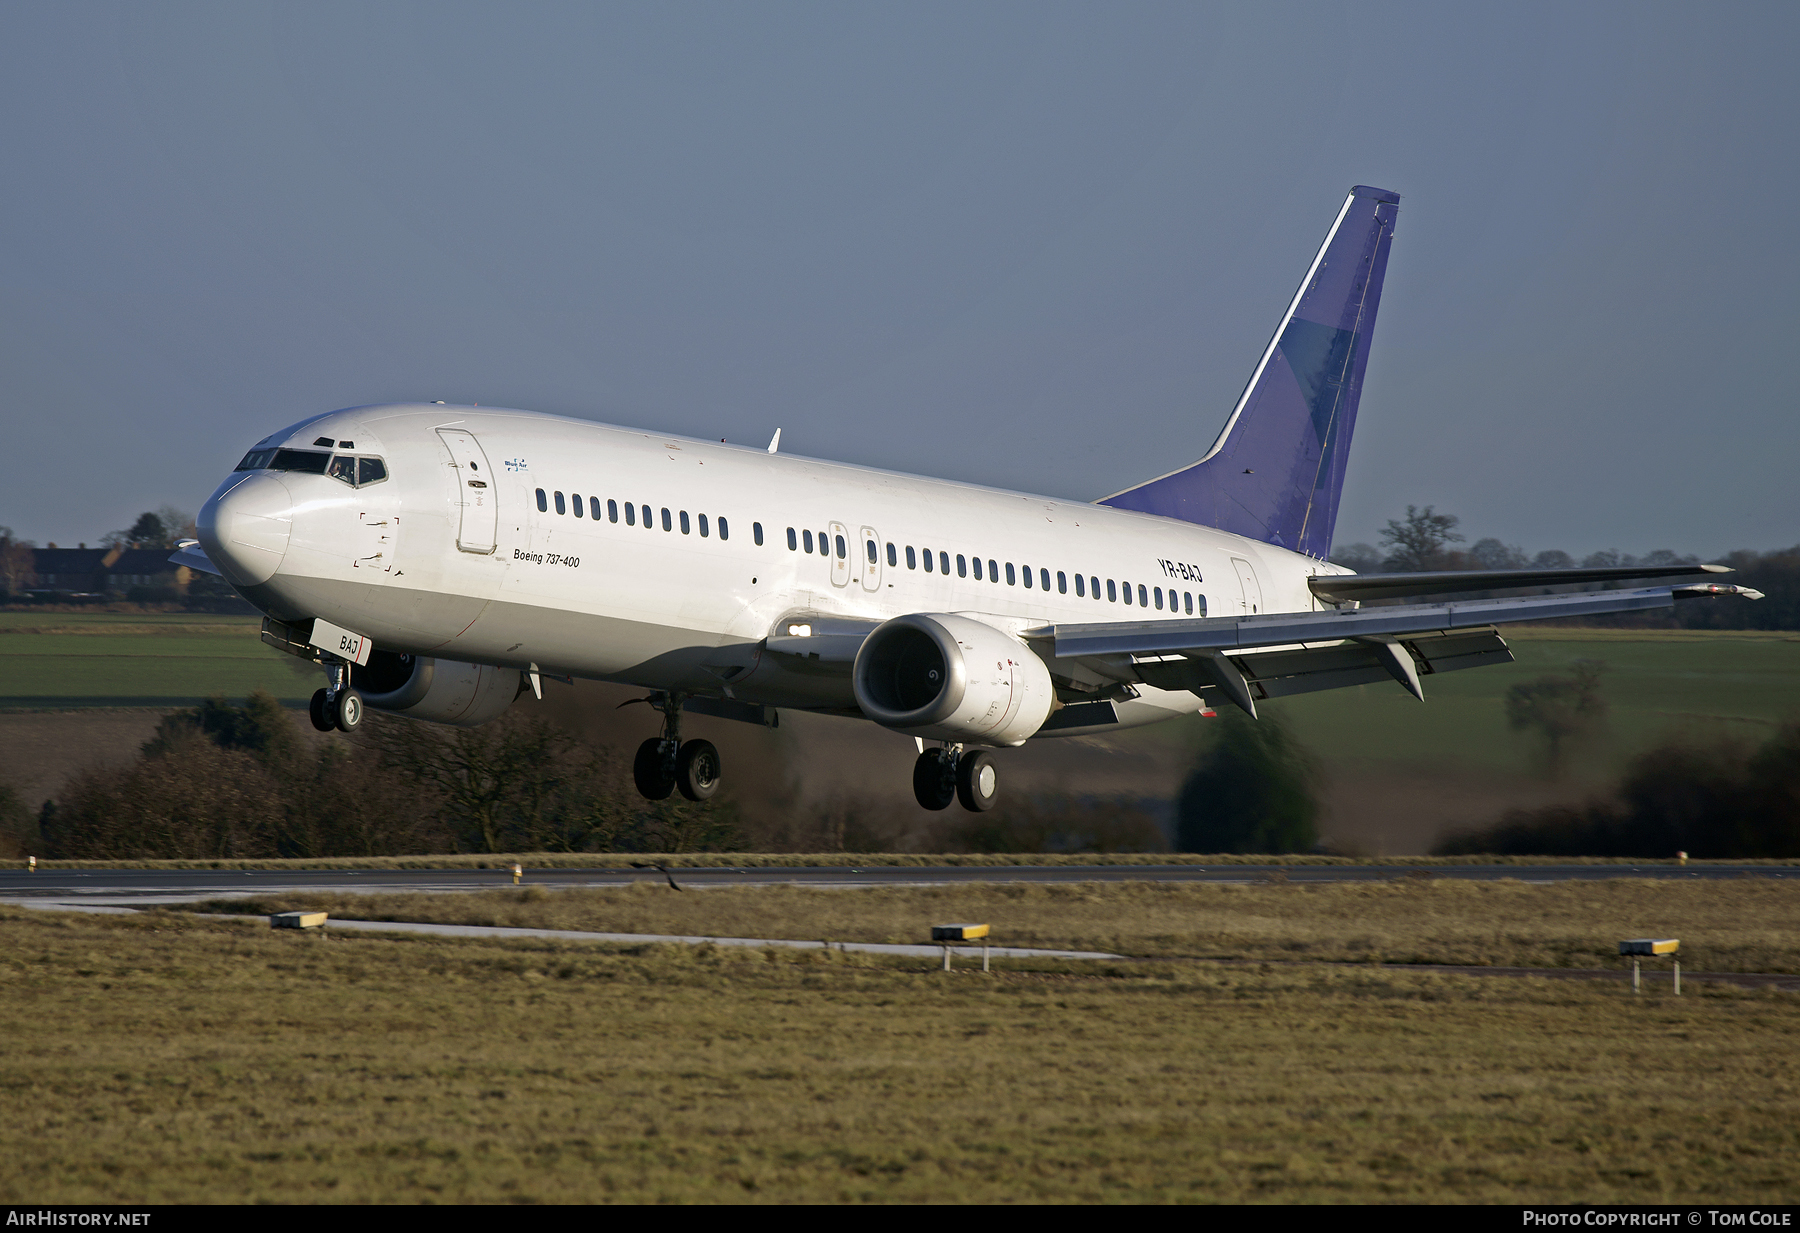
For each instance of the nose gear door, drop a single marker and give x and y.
(477, 492)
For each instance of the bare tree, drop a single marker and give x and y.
(1417, 542)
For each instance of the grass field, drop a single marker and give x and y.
(127, 659)
(162, 1059)
(1701, 684)
(1741, 925)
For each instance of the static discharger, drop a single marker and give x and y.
(1654, 948)
(298, 920)
(947, 934)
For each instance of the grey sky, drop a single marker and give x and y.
(1031, 245)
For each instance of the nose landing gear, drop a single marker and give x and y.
(664, 764)
(955, 774)
(337, 705)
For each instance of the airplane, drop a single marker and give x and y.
(440, 561)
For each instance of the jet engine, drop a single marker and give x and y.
(443, 691)
(949, 678)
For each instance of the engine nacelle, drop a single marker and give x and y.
(443, 691)
(949, 678)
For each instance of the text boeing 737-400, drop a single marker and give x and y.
(438, 561)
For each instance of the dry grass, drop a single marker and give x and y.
(161, 1059)
(1741, 925)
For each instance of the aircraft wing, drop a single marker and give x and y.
(190, 554)
(1259, 657)
(1361, 587)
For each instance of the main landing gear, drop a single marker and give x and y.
(664, 763)
(338, 705)
(955, 774)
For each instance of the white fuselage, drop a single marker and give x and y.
(684, 603)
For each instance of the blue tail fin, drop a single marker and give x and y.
(1277, 470)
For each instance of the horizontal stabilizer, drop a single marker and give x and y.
(1451, 582)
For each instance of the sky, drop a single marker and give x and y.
(1038, 246)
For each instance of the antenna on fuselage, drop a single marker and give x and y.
(775, 441)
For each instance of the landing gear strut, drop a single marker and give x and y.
(955, 774)
(338, 705)
(664, 763)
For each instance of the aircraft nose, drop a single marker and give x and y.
(244, 528)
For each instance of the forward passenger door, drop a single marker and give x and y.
(477, 491)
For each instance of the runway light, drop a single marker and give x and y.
(298, 920)
(518, 872)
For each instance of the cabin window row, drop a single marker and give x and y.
(644, 515)
(1183, 603)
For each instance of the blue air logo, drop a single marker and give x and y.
(516, 464)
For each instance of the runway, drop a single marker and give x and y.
(145, 887)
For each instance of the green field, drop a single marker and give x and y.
(157, 1058)
(59, 660)
(1692, 684)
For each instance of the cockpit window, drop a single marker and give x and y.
(343, 467)
(307, 461)
(256, 460)
(369, 470)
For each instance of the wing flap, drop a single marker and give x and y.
(1365, 587)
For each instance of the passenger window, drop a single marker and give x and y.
(1080, 590)
(1010, 576)
(962, 566)
(1143, 601)
(993, 570)
(1199, 605)
(575, 497)
(874, 556)
(668, 523)
(630, 514)
(1187, 602)
(943, 563)
(543, 502)
(824, 545)
(725, 530)
(755, 532)
(1044, 579)
(1094, 586)
(702, 518)
(594, 508)
(1026, 570)
(560, 507)
(1126, 587)
(976, 561)
(807, 535)
(893, 556)
(1112, 591)
(684, 522)
(792, 544)
(912, 559)
(612, 511)
(1159, 599)
(928, 560)
(370, 470)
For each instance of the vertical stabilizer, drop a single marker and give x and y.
(1277, 470)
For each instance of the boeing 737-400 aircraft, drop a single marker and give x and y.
(438, 561)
